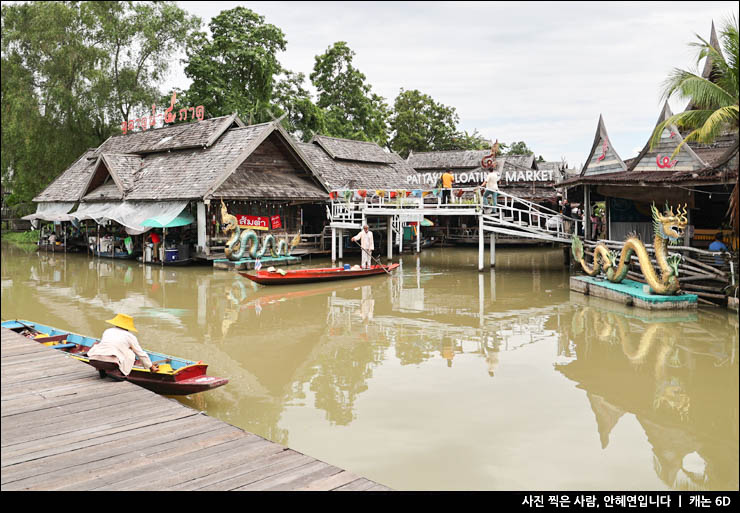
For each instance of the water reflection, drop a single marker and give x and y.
(380, 360)
(668, 371)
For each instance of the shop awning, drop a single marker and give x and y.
(183, 219)
(131, 214)
(52, 211)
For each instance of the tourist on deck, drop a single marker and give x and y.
(447, 181)
(366, 243)
(718, 245)
(118, 348)
(491, 187)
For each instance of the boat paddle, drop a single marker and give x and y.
(371, 256)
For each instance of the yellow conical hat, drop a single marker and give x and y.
(123, 321)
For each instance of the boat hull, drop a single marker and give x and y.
(183, 377)
(315, 275)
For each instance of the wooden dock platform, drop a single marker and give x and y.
(64, 428)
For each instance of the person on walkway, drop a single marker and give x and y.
(366, 243)
(567, 213)
(447, 181)
(119, 347)
(53, 240)
(490, 184)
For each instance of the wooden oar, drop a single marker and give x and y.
(371, 256)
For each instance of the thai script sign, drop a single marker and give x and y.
(275, 222)
(144, 123)
(253, 222)
(529, 175)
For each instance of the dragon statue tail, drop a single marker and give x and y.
(600, 253)
(240, 242)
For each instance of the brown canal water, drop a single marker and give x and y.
(437, 378)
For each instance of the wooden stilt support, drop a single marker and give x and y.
(333, 244)
(389, 238)
(340, 233)
(480, 243)
(493, 249)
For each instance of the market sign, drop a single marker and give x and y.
(144, 123)
(530, 175)
(275, 223)
(253, 222)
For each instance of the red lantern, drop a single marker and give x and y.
(362, 193)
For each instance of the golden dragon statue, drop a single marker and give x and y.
(237, 244)
(668, 227)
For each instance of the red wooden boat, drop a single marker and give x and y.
(314, 275)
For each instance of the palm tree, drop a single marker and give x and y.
(713, 96)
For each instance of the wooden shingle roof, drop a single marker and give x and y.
(347, 149)
(337, 173)
(69, 185)
(602, 158)
(462, 159)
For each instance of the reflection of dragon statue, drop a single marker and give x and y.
(237, 243)
(668, 227)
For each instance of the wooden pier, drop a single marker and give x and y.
(64, 428)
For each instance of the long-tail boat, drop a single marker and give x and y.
(316, 274)
(176, 376)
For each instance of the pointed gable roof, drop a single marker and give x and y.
(603, 158)
(707, 72)
(659, 158)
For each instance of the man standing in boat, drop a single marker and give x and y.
(119, 347)
(366, 243)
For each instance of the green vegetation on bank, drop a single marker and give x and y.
(29, 237)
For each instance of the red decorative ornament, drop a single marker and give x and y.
(489, 161)
(603, 150)
(665, 162)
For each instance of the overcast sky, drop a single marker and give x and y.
(538, 72)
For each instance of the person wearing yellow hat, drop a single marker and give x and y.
(119, 347)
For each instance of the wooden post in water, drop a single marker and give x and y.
(333, 245)
(389, 238)
(480, 242)
(341, 243)
(418, 235)
(493, 249)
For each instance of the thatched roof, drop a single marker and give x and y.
(356, 173)
(69, 185)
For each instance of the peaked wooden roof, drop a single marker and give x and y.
(603, 158)
(659, 158)
(348, 149)
(462, 159)
(707, 71)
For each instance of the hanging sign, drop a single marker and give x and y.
(253, 222)
(275, 223)
(144, 123)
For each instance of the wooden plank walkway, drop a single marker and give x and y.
(64, 428)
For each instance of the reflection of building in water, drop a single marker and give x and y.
(683, 394)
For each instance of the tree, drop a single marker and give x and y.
(418, 123)
(303, 118)
(71, 70)
(715, 97)
(352, 110)
(518, 148)
(235, 70)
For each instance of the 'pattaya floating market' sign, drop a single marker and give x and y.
(253, 222)
(529, 175)
(146, 122)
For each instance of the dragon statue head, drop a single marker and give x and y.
(669, 225)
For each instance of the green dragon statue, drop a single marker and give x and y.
(668, 228)
(237, 244)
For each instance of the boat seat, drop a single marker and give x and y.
(62, 346)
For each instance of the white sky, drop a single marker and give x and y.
(538, 72)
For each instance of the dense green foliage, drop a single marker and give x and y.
(71, 72)
(352, 110)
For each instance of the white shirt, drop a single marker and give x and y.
(124, 346)
(492, 181)
(366, 240)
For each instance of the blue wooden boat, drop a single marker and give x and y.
(176, 376)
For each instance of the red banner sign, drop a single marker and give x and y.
(275, 222)
(253, 222)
